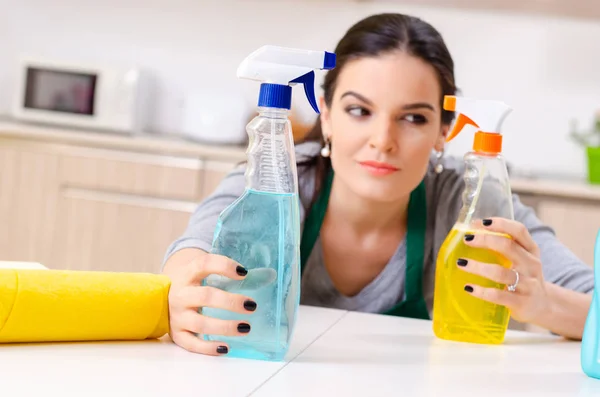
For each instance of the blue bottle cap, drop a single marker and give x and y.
(275, 96)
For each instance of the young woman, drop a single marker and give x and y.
(381, 119)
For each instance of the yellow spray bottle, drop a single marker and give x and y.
(457, 315)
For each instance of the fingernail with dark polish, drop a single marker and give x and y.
(462, 262)
(250, 305)
(469, 237)
(487, 222)
(243, 328)
(241, 270)
(468, 288)
(222, 350)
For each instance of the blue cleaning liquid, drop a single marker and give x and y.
(260, 231)
(590, 344)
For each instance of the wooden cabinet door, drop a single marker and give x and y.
(576, 224)
(28, 200)
(143, 174)
(116, 231)
(120, 211)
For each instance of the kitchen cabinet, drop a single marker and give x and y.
(121, 171)
(119, 210)
(576, 221)
(28, 198)
(115, 204)
(576, 224)
(115, 232)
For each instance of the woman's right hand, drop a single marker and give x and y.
(186, 269)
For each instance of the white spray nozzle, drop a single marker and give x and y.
(486, 115)
(278, 68)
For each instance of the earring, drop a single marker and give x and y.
(326, 150)
(439, 167)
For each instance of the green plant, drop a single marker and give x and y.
(590, 140)
(587, 138)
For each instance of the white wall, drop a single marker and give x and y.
(547, 68)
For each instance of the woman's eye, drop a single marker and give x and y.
(416, 118)
(357, 111)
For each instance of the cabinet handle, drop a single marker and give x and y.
(128, 199)
(137, 158)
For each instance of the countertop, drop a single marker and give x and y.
(148, 143)
(574, 189)
(334, 352)
(174, 146)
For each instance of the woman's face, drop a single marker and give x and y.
(384, 120)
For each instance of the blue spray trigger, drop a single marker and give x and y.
(308, 80)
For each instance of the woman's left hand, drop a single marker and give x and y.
(529, 301)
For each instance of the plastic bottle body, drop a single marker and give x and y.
(590, 343)
(261, 230)
(590, 353)
(457, 315)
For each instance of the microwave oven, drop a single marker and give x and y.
(73, 94)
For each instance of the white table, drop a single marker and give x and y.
(334, 353)
(374, 355)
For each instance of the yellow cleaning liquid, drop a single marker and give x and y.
(458, 315)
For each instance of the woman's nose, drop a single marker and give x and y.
(382, 138)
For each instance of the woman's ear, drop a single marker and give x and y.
(441, 139)
(325, 117)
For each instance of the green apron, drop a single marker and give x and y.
(414, 306)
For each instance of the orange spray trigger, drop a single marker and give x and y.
(485, 115)
(461, 122)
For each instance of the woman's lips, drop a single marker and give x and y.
(378, 169)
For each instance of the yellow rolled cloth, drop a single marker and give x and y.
(61, 306)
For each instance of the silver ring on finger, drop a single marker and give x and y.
(513, 287)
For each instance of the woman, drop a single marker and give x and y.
(381, 118)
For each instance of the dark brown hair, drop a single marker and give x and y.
(377, 35)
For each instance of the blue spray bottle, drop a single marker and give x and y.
(590, 344)
(261, 229)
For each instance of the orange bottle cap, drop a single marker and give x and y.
(487, 142)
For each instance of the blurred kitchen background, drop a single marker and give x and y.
(85, 196)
